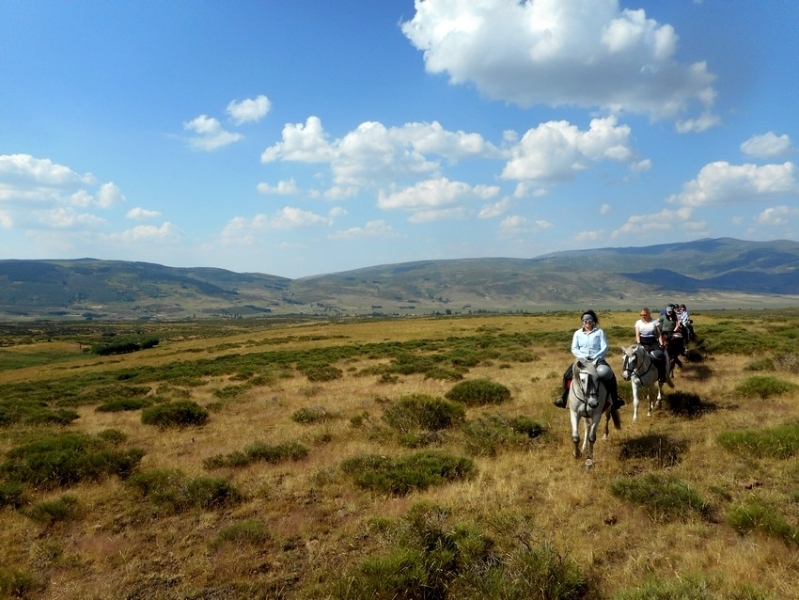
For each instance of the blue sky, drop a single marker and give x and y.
(318, 136)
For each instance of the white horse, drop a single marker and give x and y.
(640, 369)
(588, 400)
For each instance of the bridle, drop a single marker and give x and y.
(630, 365)
(588, 386)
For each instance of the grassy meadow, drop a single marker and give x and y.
(398, 458)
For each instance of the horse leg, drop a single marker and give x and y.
(636, 401)
(575, 420)
(660, 393)
(590, 438)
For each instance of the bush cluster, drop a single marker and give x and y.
(181, 413)
(779, 442)
(258, 452)
(479, 392)
(486, 435)
(421, 411)
(400, 476)
(434, 558)
(66, 459)
(664, 498)
(171, 490)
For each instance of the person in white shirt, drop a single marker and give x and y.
(589, 342)
(649, 334)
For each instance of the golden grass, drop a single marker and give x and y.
(318, 522)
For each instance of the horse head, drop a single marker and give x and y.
(585, 373)
(632, 359)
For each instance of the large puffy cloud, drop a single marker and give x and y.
(720, 183)
(556, 151)
(767, 145)
(375, 155)
(586, 53)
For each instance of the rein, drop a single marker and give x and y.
(635, 371)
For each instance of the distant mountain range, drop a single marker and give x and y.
(708, 273)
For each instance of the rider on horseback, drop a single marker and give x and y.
(672, 329)
(589, 342)
(649, 334)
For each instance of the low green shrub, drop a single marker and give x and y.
(113, 436)
(312, 414)
(764, 386)
(664, 498)
(16, 583)
(757, 516)
(320, 372)
(761, 364)
(170, 489)
(443, 374)
(434, 558)
(779, 442)
(64, 508)
(402, 475)
(123, 404)
(420, 411)
(11, 494)
(487, 434)
(181, 413)
(256, 452)
(66, 459)
(478, 392)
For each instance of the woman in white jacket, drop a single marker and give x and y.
(589, 342)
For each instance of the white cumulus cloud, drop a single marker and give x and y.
(556, 151)
(209, 134)
(586, 53)
(282, 188)
(721, 183)
(434, 194)
(139, 213)
(249, 110)
(767, 145)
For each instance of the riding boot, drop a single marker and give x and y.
(613, 390)
(564, 395)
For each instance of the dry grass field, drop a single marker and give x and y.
(269, 495)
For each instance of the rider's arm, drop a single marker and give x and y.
(603, 345)
(637, 334)
(577, 348)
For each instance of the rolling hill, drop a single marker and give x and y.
(708, 273)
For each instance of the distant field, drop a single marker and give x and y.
(391, 458)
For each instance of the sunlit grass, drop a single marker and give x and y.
(272, 521)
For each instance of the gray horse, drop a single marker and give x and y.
(588, 401)
(640, 370)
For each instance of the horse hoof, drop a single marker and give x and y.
(589, 464)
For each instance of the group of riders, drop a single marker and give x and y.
(668, 335)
